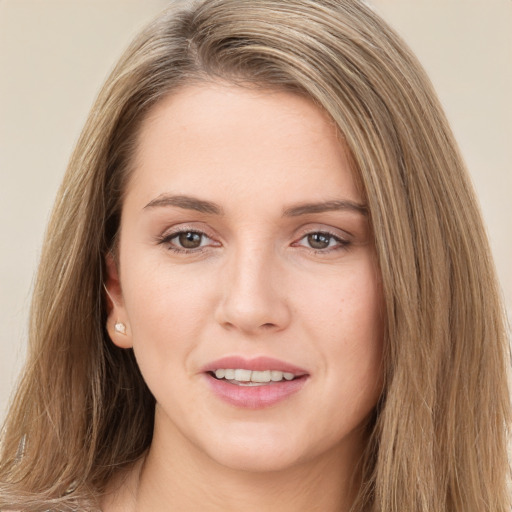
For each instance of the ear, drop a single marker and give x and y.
(117, 320)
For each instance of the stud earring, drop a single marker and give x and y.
(120, 328)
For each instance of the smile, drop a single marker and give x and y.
(254, 383)
(243, 377)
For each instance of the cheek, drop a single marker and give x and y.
(346, 308)
(361, 319)
(347, 321)
(166, 309)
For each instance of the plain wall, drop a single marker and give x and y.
(55, 54)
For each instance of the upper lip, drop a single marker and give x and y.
(258, 363)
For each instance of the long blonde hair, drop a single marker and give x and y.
(438, 440)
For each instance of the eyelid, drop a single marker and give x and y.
(343, 238)
(174, 231)
(182, 227)
(310, 228)
(340, 241)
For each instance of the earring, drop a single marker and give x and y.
(120, 328)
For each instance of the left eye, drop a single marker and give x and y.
(320, 240)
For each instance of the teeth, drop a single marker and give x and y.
(258, 377)
(243, 375)
(276, 376)
(220, 374)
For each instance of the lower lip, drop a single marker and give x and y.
(255, 397)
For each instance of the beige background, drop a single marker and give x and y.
(55, 54)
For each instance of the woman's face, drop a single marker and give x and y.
(248, 280)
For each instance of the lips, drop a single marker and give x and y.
(256, 364)
(253, 383)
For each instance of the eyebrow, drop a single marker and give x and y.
(208, 207)
(326, 206)
(187, 203)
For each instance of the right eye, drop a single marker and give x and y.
(189, 239)
(186, 240)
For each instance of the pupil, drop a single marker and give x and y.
(319, 240)
(190, 240)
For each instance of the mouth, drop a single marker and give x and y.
(243, 377)
(254, 383)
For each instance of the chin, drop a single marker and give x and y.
(256, 461)
(259, 452)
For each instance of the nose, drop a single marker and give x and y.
(253, 298)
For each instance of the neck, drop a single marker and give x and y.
(177, 475)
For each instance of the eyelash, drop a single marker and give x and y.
(167, 240)
(341, 244)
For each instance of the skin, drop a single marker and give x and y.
(255, 286)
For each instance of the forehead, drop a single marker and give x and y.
(220, 138)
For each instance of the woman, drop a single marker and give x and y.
(265, 283)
